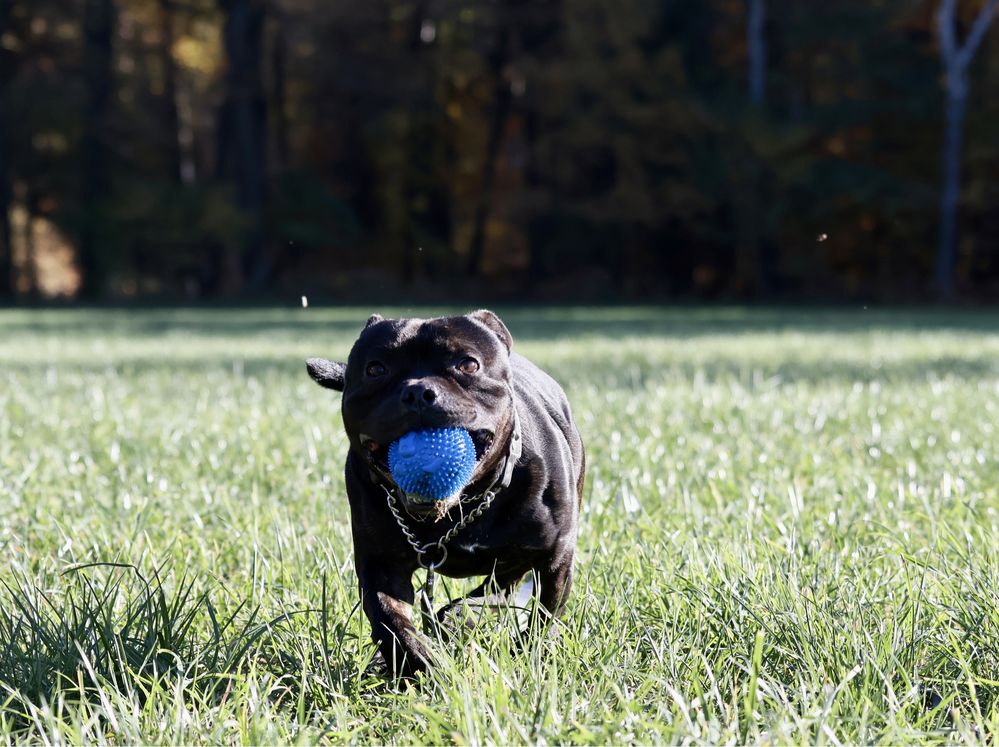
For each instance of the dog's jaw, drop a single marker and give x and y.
(375, 454)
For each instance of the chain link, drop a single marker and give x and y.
(441, 544)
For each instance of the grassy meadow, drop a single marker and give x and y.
(790, 534)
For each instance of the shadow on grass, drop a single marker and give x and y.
(579, 370)
(527, 323)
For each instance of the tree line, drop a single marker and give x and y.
(549, 149)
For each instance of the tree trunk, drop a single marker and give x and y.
(425, 233)
(502, 99)
(279, 71)
(537, 220)
(408, 189)
(6, 193)
(950, 192)
(956, 58)
(756, 44)
(543, 37)
(6, 244)
(752, 278)
(96, 184)
(242, 132)
(171, 118)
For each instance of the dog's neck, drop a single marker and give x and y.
(514, 448)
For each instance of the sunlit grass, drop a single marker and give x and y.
(790, 534)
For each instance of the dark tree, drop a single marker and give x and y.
(171, 118)
(96, 154)
(279, 92)
(756, 43)
(242, 131)
(502, 96)
(7, 64)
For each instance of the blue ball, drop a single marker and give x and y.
(434, 463)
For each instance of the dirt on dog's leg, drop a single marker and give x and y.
(555, 583)
(388, 605)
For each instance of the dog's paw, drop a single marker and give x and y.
(376, 667)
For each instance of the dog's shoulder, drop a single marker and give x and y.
(530, 379)
(541, 395)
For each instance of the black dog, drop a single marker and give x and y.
(519, 513)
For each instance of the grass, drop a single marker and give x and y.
(790, 535)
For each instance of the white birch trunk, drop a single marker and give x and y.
(955, 59)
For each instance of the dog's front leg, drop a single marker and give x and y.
(387, 598)
(555, 581)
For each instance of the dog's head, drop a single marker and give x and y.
(407, 374)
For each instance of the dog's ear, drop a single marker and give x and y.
(495, 325)
(374, 319)
(326, 373)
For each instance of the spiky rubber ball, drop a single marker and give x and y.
(434, 463)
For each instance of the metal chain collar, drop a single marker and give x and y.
(441, 544)
(485, 499)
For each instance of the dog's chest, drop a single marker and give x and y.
(471, 548)
(473, 559)
(483, 549)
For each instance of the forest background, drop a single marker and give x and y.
(522, 150)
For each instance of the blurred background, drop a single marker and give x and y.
(545, 150)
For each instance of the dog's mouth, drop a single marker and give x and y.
(377, 452)
(420, 507)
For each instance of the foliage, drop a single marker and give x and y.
(557, 148)
(789, 535)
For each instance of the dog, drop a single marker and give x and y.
(519, 513)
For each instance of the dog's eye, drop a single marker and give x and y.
(375, 369)
(468, 365)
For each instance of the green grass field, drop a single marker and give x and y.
(789, 535)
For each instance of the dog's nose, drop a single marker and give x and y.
(418, 394)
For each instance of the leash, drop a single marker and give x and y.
(438, 548)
